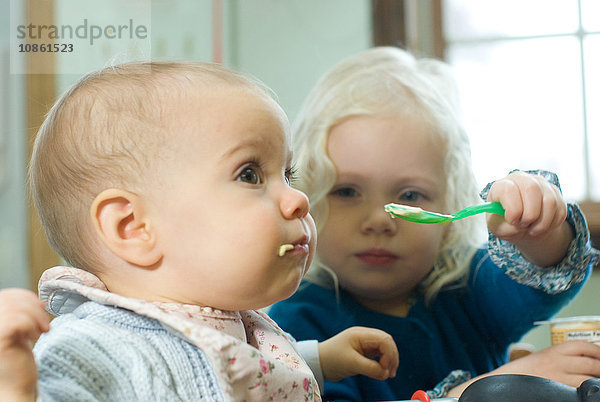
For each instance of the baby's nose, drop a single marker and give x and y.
(294, 204)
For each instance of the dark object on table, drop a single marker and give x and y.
(526, 388)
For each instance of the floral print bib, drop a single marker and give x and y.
(253, 358)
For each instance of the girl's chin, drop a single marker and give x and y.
(375, 291)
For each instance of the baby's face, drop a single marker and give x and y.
(378, 161)
(225, 205)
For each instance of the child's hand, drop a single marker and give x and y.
(570, 363)
(22, 321)
(351, 352)
(534, 220)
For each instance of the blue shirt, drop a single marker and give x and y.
(467, 328)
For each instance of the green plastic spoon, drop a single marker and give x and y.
(415, 214)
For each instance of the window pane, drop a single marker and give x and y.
(522, 105)
(472, 19)
(590, 15)
(592, 75)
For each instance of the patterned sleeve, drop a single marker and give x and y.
(454, 379)
(571, 270)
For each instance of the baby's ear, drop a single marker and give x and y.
(123, 225)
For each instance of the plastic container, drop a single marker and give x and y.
(584, 328)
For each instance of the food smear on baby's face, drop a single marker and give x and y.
(284, 249)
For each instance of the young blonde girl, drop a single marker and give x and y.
(383, 127)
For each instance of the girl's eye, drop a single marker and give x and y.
(249, 175)
(411, 196)
(345, 192)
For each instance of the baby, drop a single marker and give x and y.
(168, 186)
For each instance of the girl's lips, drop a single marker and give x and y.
(377, 257)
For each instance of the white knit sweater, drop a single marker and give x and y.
(104, 353)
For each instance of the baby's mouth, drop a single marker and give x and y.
(299, 246)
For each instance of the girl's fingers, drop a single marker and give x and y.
(579, 358)
(562, 210)
(553, 213)
(578, 348)
(547, 217)
(532, 195)
(507, 192)
(532, 205)
(587, 366)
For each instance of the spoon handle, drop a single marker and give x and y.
(491, 207)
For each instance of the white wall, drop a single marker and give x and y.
(290, 44)
(178, 30)
(286, 44)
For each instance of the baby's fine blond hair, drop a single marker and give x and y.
(109, 130)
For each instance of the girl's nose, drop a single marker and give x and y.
(294, 204)
(377, 221)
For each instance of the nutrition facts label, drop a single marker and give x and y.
(562, 335)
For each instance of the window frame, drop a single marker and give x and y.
(40, 92)
(422, 26)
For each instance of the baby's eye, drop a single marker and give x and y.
(290, 175)
(249, 175)
(411, 196)
(345, 192)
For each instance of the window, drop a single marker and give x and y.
(529, 75)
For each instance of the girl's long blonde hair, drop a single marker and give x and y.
(389, 81)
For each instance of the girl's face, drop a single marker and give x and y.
(378, 259)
